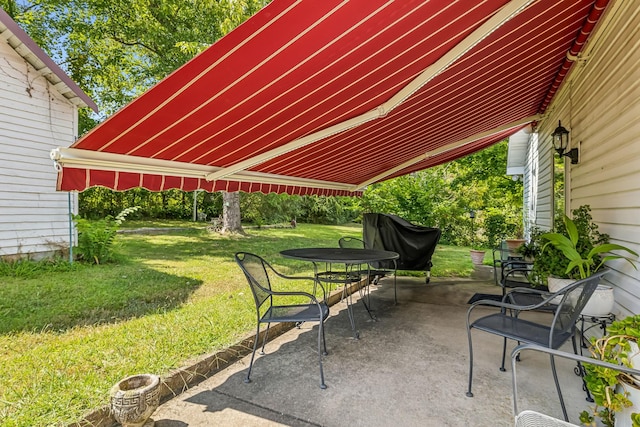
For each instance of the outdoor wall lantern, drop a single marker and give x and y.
(561, 142)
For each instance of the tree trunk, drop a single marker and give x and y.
(231, 213)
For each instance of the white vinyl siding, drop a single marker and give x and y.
(600, 106)
(34, 118)
(539, 181)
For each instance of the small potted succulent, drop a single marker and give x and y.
(615, 394)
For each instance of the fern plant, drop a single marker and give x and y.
(95, 238)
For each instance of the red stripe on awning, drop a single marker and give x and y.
(76, 179)
(298, 68)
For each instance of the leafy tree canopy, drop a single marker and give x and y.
(117, 49)
(444, 195)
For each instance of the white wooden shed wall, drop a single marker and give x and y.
(34, 118)
(600, 105)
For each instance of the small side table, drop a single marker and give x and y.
(594, 321)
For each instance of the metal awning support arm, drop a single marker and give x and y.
(448, 147)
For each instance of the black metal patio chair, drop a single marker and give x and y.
(529, 418)
(508, 324)
(278, 306)
(499, 254)
(516, 274)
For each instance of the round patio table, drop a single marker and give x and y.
(348, 257)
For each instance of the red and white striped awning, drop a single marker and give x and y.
(327, 97)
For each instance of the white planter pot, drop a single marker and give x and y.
(623, 417)
(556, 284)
(601, 302)
(634, 358)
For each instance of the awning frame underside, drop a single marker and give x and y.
(83, 157)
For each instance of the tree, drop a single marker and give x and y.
(231, 213)
(117, 49)
(442, 197)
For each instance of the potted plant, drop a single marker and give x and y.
(611, 389)
(477, 256)
(581, 263)
(528, 250)
(554, 261)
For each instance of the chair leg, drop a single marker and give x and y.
(555, 379)
(247, 380)
(395, 288)
(266, 337)
(320, 353)
(469, 393)
(324, 343)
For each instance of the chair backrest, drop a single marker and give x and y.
(536, 419)
(351, 242)
(574, 299)
(255, 270)
(501, 253)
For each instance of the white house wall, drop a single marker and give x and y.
(538, 184)
(34, 118)
(600, 106)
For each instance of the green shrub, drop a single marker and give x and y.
(95, 238)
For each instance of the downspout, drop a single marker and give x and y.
(70, 229)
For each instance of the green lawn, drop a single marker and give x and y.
(68, 333)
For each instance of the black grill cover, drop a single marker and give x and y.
(414, 243)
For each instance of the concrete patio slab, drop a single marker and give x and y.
(409, 368)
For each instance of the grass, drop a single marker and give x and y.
(69, 332)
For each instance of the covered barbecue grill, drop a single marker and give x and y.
(414, 243)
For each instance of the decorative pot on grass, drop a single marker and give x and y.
(477, 257)
(134, 399)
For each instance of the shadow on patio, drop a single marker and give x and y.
(409, 368)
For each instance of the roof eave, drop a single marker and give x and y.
(24, 46)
